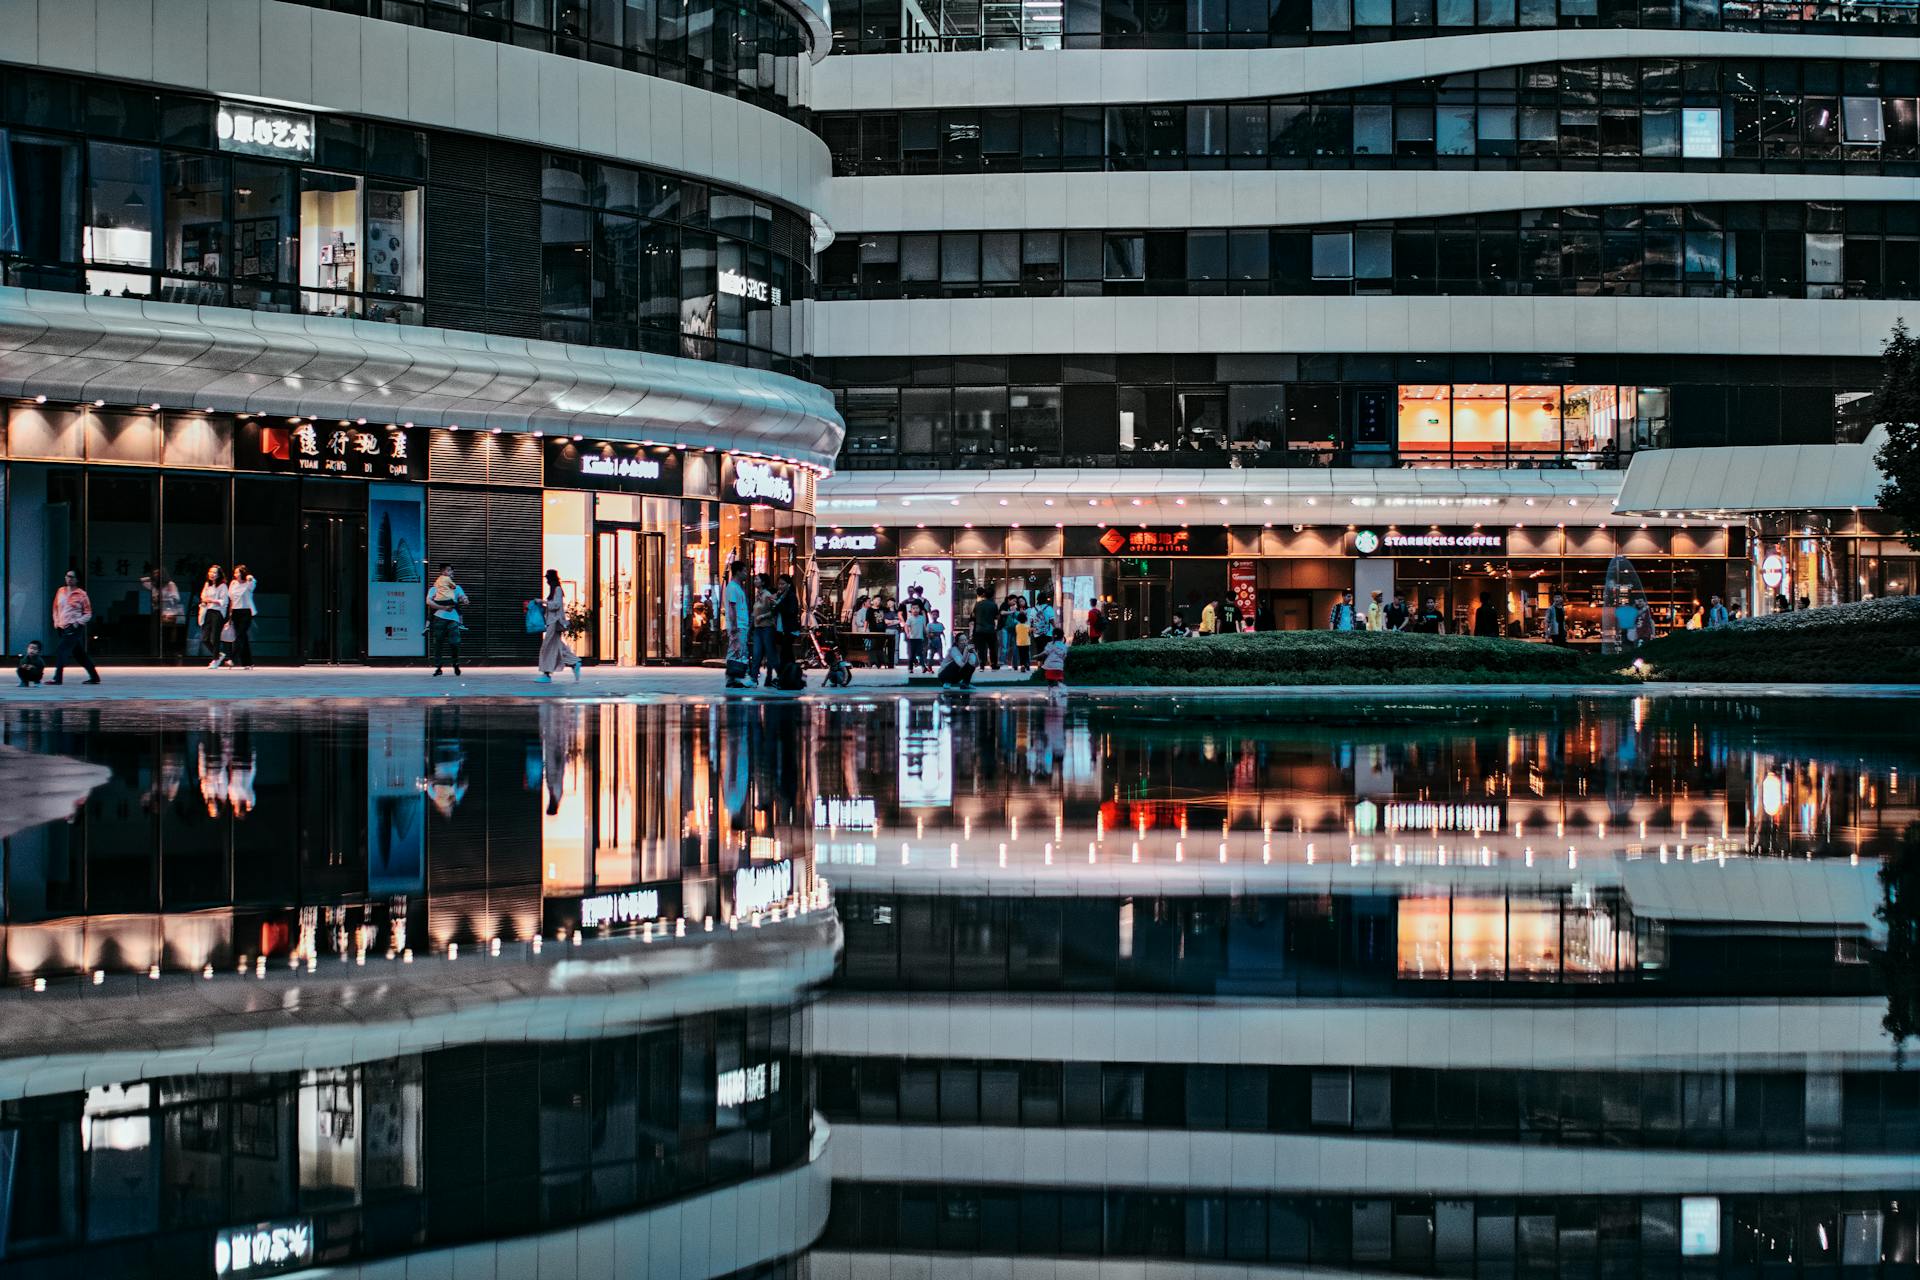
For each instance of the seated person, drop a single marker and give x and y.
(33, 665)
(1178, 627)
(957, 671)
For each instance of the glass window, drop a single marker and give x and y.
(1479, 419)
(1332, 1099)
(1660, 134)
(329, 240)
(979, 420)
(1862, 121)
(1125, 258)
(123, 195)
(1455, 131)
(1256, 416)
(566, 261)
(924, 421)
(1373, 131)
(1333, 255)
(45, 175)
(1425, 412)
(263, 225)
(394, 252)
(1533, 419)
(1033, 421)
(1700, 133)
(195, 225)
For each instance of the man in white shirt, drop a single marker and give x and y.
(737, 614)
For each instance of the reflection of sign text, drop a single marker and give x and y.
(854, 813)
(760, 888)
(747, 1084)
(629, 907)
(1444, 817)
(264, 1248)
(745, 286)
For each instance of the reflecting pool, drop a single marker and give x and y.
(852, 987)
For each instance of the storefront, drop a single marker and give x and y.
(344, 523)
(1288, 579)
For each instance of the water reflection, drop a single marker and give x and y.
(1564, 987)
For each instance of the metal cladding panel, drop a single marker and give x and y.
(512, 574)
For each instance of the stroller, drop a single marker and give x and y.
(825, 646)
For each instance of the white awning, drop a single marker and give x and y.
(1790, 477)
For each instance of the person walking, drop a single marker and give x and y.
(240, 609)
(1340, 617)
(72, 614)
(1485, 621)
(760, 667)
(1717, 615)
(213, 615)
(1096, 622)
(555, 652)
(1556, 620)
(1209, 618)
(737, 615)
(445, 599)
(986, 615)
(1376, 613)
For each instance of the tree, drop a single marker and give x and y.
(1897, 404)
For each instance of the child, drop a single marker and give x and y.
(1053, 661)
(936, 640)
(1022, 641)
(32, 665)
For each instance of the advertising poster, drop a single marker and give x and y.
(396, 569)
(935, 580)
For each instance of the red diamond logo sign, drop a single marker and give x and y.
(1114, 541)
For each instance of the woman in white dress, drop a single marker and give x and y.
(555, 652)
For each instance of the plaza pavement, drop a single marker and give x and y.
(124, 684)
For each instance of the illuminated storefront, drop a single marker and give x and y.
(1293, 575)
(345, 522)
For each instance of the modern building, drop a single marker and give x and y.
(1153, 302)
(345, 291)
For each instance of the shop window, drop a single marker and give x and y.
(123, 551)
(1033, 421)
(43, 175)
(1202, 420)
(979, 420)
(395, 259)
(1479, 929)
(195, 222)
(924, 423)
(123, 195)
(330, 222)
(1256, 416)
(1425, 417)
(1125, 258)
(1145, 419)
(1533, 933)
(1533, 419)
(566, 263)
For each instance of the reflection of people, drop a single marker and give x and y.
(72, 614)
(555, 652)
(760, 638)
(556, 749)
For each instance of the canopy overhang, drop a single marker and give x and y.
(1746, 480)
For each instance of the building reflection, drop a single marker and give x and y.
(139, 1177)
(229, 837)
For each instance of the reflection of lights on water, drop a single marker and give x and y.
(1773, 794)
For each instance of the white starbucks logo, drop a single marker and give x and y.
(1366, 542)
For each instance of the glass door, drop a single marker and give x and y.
(617, 575)
(653, 596)
(333, 586)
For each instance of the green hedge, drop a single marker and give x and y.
(1873, 642)
(1334, 657)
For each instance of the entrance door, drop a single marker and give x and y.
(1143, 608)
(333, 586)
(653, 596)
(617, 573)
(1289, 610)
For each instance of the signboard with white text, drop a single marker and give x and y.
(614, 468)
(758, 483)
